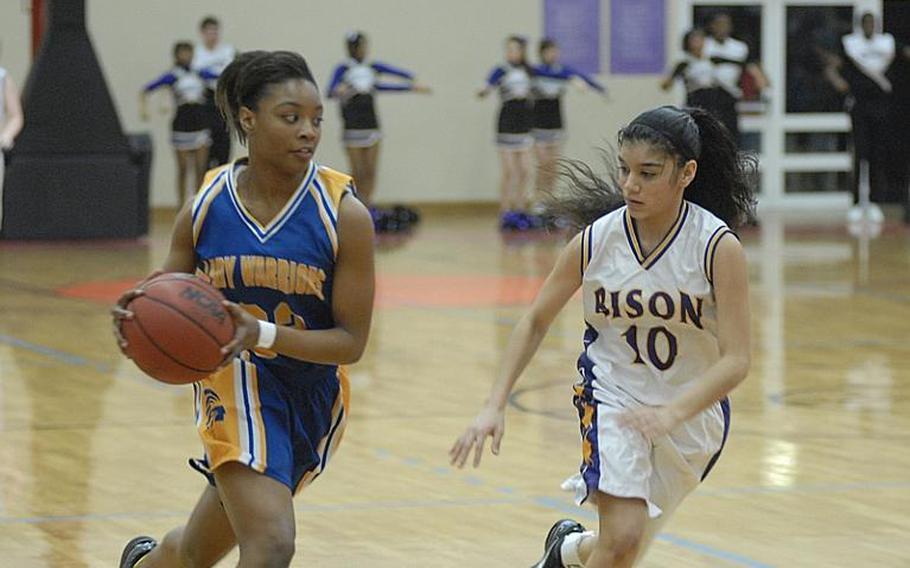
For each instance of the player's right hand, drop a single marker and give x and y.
(490, 422)
(120, 313)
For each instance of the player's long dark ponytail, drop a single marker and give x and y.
(244, 82)
(723, 183)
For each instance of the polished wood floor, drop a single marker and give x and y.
(816, 473)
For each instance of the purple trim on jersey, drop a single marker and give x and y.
(709, 252)
(590, 470)
(725, 409)
(590, 251)
(629, 237)
(666, 246)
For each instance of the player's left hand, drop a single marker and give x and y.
(652, 421)
(246, 333)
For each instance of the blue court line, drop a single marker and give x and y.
(78, 361)
(809, 488)
(561, 505)
(55, 354)
(302, 508)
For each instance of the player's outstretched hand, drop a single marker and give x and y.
(119, 312)
(246, 333)
(490, 422)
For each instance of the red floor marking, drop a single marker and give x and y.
(467, 291)
(105, 292)
(392, 291)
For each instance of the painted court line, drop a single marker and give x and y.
(562, 506)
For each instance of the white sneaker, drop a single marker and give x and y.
(874, 214)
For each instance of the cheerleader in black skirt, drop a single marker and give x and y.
(551, 78)
(190, 129)
(354, 82)
(513, 133)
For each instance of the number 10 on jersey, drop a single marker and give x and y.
(651, 339)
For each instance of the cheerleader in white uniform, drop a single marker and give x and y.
(191, 127)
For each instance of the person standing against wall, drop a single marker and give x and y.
(696, 72)
(860, 73)
(730, 57)
(11, 122)
(213, 55)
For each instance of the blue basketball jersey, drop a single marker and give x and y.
(282, 271)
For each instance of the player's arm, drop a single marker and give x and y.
(352, 300)
(674, 75)
(165, 80)
(336, 86)
(493, 80)
(14, 117)
(731, 289)
(181, 258)
(559, 287)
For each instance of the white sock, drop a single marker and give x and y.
(569, 549)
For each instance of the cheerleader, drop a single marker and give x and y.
(513, 134)
(354, 83)
(548, 86)
(190, 133)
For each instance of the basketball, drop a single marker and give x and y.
(178, 328)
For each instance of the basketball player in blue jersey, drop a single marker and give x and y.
(355, 82)
(190, 132)
(513, 132)
(666, 307)
(551, 78)
(291, 248)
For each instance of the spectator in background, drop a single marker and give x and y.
(696, 72)
(213, 56)
(730, 57)
(861, 74)
(11, 122)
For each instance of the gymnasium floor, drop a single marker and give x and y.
(816, 473)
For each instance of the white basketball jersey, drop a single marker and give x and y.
(651, 320)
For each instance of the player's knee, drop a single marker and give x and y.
(192, 555)
(620, 545)
(271, 548)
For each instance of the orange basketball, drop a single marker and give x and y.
(178, 328)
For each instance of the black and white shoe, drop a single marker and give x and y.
(135, 550)
(552, 546)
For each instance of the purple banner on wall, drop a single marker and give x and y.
(637, 37)
(575, 26)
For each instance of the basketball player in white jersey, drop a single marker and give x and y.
(667, 330)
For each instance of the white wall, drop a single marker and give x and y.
(437, 148)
